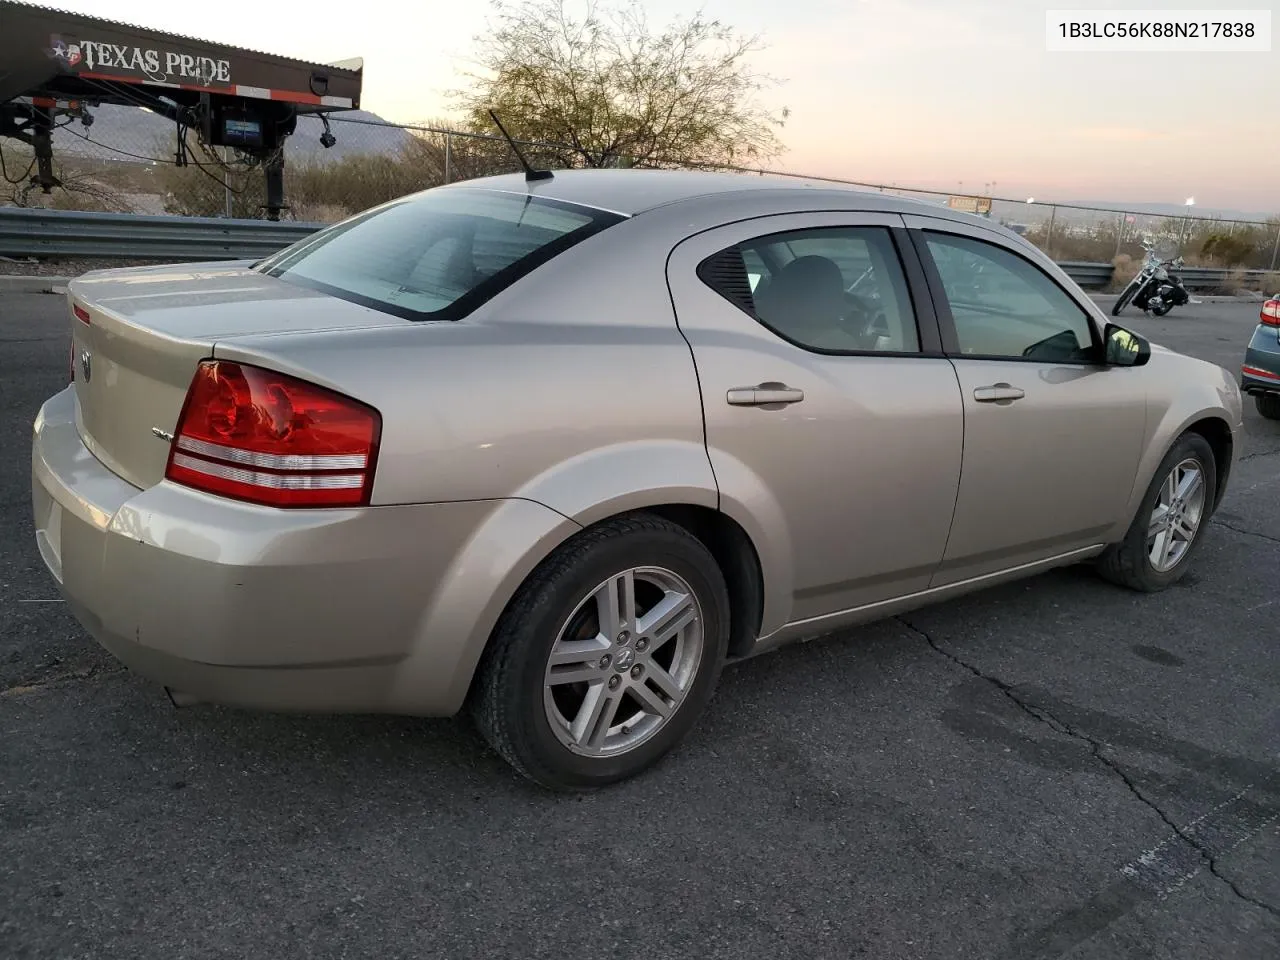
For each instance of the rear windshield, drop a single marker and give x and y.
(436, 255)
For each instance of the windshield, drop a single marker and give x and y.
(436, 255)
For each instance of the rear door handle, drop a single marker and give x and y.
(763, 394)
(998, 393)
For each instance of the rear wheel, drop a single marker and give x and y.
(1157, 548)
(607, 655)
(1268, 405)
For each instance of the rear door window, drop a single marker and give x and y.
(439, 254)
(828, 289)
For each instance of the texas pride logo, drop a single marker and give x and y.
(70, 52)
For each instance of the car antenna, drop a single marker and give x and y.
(530, 174)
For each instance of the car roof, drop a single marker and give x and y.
(632, 192)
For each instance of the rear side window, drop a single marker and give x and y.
(829, 289)
(436, 255)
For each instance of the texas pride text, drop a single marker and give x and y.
(158, 65)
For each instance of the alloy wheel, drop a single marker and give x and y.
(623, 662)
(1176, 516)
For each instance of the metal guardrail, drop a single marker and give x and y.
(1091, 276)
(1097, 276)
(65, 233)
(1213, 278)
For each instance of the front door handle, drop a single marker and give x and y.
(998, 393)
(764, 394)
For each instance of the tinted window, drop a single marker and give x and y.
(833, 289)
(436, 255)
(1004, 306)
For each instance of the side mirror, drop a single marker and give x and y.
(1124, 348)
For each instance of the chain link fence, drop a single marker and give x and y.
(128, 161)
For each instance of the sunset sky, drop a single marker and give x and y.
(932, 93)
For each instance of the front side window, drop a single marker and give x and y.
(829, 289)
(439, 254)
(1005, 306)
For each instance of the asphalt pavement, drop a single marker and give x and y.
(1055, 768)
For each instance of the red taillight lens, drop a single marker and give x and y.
(81, 313)
(256, 435)
(1271, 312)
(1259, 372)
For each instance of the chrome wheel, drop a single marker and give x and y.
(1176, 517)
(623, 662)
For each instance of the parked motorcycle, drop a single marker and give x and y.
(1157, 288)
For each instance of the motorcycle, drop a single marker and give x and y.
(1157, 288)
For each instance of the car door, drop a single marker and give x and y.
(831, 413)
(1052, 435)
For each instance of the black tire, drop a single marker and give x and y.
(1268, 405)
(1122, 301)
(1127, 563)
(1161, 310)
(506, 701)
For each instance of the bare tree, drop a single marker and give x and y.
(81, 186)
(608, 90)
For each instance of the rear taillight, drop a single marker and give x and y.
(1259, 372)
(82, 315)
(264, 437)
(1271, 312)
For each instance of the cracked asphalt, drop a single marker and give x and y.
(1054, 768)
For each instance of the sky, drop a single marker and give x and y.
(944, 94)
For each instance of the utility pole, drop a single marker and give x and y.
(226, 186)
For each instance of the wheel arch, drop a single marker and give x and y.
(739, 562)
(729, 544)
(1217, 432)
(508, 548)
(1210, 424)
(715, 496)
(1213, 423)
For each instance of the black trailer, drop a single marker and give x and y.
(55, 64)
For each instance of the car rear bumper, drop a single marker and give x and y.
(313, 610)
(1261, 370)
(1251, 385)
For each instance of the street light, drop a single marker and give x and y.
(1186, 222)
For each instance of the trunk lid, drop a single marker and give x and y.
(147, 330)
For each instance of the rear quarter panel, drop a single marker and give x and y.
(573, 388)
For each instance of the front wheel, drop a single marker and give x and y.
(1268, 405)
(1125, 296)
(606, 656)
(1157, 548)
